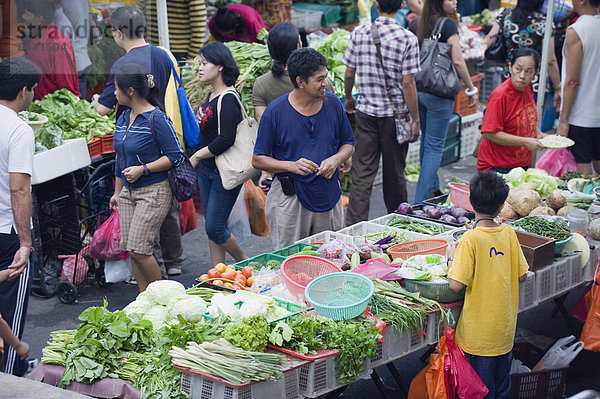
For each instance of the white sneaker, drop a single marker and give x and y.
(174, 271)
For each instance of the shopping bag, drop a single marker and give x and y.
(188, 219)
(461, 378)
(590, 334)
(559, 354)
(238, 222)
(107, 240)
(255, 205)
(69, 272)
(116, 271)
(430, 382)
(557, 162)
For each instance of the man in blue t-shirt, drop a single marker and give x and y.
(304, 138)
(128, 29)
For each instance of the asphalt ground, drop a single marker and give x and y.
(46, 315)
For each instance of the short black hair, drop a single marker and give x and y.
(217, 53)
(282, 40)
(136, 77)
(42, 8)
(227, 20)
(488, 191)
(525, 52)
(595, 3)
(15, 74)
(130, 21)
(390, 6)
(305, 62)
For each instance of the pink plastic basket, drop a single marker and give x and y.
(298, 271)
(459, 195)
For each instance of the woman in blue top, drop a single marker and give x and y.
(142, 192)
(218, 69)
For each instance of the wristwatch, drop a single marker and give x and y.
(146, 171)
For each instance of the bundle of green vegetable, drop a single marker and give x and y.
(250, 334)
(56, 350)
(71, 116)
(395, 292)
(224, 360)
(545, 183)
(399, 315)
(333, 48)
(270, 264)
(406, 223)
(556, 228)
(253, 60)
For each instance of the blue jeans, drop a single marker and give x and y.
(434, 113)
(217, 203)
(83, 77)
(494, 371)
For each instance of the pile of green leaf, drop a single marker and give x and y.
(252, 59)
(71, 116)
(333, 48)
(250, 334)
(355, 339)
(103, 55)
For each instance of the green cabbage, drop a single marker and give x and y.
(160, 292)
(157, 316)
(190, 308)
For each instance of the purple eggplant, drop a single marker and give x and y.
(419, 212)
(449, 219)
(462, 220)
(443, 209)
(457, 212)
(433, 212)
(405, 208)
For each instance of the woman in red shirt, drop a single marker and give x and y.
(509, 129)
(236, 22)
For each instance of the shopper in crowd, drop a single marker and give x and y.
(128, 29)
(49, 49)
(435, 111)
(18, 78)
(489, 262)
(78, 13)
(375, 124)
(523, 27)
(236, 22)
(62, 23)
(147, 146)
(579, 116)
(11, 39)
(219, 70)
(187, 26)
(509, 132)
(304, 138)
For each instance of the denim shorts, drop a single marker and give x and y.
(217, 203)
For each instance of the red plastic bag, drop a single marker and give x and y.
(460, 375)
(107, 240)
(68, 267)
(557, 162)
(188, 219)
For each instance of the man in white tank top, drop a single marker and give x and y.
(580, 111)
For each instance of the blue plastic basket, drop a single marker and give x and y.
(340, 296)
(559, 246)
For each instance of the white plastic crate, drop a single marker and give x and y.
(318, 377)
(435, 328)
(562, 274)
(527, 298)
(358, 230)
(589, 272)
(447, 235)
(327, 236)
(576, 273)
(470, 133)
(287, 387)
(545, 283)
(306, 19)
(395, 345)
(492, 79)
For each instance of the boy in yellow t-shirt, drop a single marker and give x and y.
(490, 263)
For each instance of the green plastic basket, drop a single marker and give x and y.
(262, 259)
(440, 292)
(294, 308)
(559, 246)
(340, 296)
(293, 249)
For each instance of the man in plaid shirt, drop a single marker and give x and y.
(375, 124)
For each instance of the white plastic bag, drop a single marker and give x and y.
(560, 355)
(238, 222)
(116, 271)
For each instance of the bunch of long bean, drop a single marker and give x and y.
(394, 290)
(202, 292)
(405, 223)
(397, 236)
(551, 228)
(400, 315)
(224, 360)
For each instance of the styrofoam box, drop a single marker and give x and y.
(287, 387)
(470, 133)
(318, 377)
(527, 298)
(327, 236)
(59, 161)
(447, 235)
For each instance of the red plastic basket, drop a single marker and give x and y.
(420, 247)
(460, 194)
(95, 147)
(461, 101)
(298, 271)
(107, 144)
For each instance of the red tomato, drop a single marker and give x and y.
(204, 277)
(228, 275)
(213, 273)
(247, 271)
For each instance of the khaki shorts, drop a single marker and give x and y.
(141, 213)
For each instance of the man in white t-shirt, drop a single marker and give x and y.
(18, 79)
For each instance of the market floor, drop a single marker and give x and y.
(46, 315)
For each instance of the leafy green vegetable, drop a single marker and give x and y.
(401, 316)
(250, 334)
(333, 48)
(545, 183)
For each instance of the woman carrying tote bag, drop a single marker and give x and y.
(219, 70)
